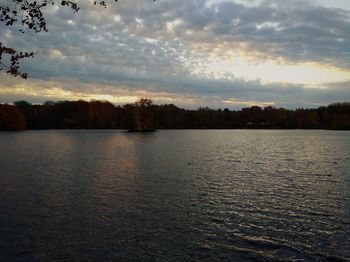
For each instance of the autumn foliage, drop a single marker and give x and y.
(11, 118)
(143, 114)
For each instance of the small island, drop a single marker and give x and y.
(144, 117)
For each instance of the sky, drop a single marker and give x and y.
(191, 53)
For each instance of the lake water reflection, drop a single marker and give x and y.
(175, 195)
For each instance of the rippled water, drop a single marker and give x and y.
(175, 195)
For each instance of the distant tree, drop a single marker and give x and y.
(22, 104)
(339, 116)
(144, 114)
(144, 103)
(11, 118)
(312, 120)
(30, 15)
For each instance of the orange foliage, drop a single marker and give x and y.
(11, 118)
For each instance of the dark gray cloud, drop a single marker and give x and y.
(294, 30)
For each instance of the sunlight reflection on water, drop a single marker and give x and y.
(175, 195)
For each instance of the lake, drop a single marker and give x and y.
(175, 195)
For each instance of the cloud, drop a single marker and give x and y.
(186, 92)
(165, 49)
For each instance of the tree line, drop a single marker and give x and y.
(105, 115)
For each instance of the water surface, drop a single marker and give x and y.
(175, 195)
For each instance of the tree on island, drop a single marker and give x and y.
(144, 119)
(30, 15)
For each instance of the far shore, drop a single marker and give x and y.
(144, 115)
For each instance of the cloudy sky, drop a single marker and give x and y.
(216, 53)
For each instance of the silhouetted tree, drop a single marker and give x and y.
(11, 118)
(143, 115)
